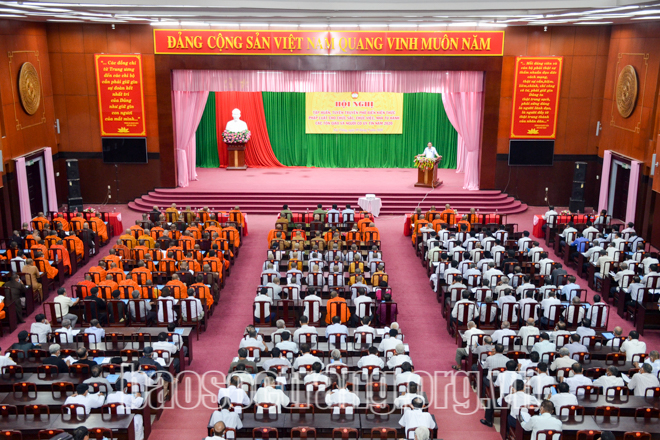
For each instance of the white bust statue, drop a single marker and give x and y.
(236, 125)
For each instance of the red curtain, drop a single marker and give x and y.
(258, 153)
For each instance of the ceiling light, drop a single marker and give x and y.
(343, 25)
(289, 25)
(500, 25)
(647, 18)
(320, 26)
(11, 16)
(594, 22)
(431, 24)
(368, 25)
(465, 23)
(441, 16)
(622, 8)
(192, 23)
(408, 25)
(56, 20)
(253, 24)
(222, 24)
(644, 12)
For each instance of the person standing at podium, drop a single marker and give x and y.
(430, 152)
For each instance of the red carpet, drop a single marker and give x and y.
(431, 347)
(264, 191)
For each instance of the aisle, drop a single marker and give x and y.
(431, 348)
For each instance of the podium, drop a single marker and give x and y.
(236, 157)
(428, 178)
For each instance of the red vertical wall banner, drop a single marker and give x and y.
(120, 94)
(536, 90)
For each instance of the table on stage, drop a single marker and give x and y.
(114, 220)
(538, 226)
(370, 204)
(538, 222)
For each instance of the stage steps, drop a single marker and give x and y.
(486, 201)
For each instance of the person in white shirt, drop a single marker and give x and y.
(275, 288)
(346, 213)
(632, 346)
(130, 402)
(270, 395)
(96, 330)
(559, 335)
(524, 242)
(252, 340)
(372, 359)
(563, 397)
(525, 365)
(529, 308)
(529, 330)
(615, 341)
(304, 329)
(230, 419)
(584, 329)
(430, 152)
(575, 346)
(287, 344)
(399, 357)
(336, 328)
(545, 265)
(367, 329)
(306, 358)
(544, 345)
(639, 382)
(341, 396)
(577, 380)
(597, 308)
(654, 360)
(196, 308)
(309, 298)
(390, 343)
(166, 304)
(467, 338)
(498, 335)
(41, 328)
(562, 361)
(267, 303)
(575, 307)
(65, 335)
(516, 399)
(537, 382)
(277, 359)
(407, 398)
(362, 304)
(83, 397)
(506, 302)
(416, 418)
(550, 217)
(316, 376)
(62, 312)
(609, 380)
(143, 305)
(234, 392)
(6, 360)
(407, 375)
(548, 310)
(459, 307)
(543, 421)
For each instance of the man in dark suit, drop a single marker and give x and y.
(83, 359)
(99, 308)
(55, 359)
(147, 359)
(556, 273)
(23, 343)
(15, 289)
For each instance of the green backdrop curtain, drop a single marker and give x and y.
(424, 120)
(206, 137)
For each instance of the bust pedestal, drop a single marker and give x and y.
(236, 157)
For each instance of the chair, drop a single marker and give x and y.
(615, 359)
(303, 432)
(12, 372)
(59, 389)
(383, 433)
(587, 391)
(654, 392)
(590, 434)
(647, 414)
(11, 434)
(617, 393)
(344, 433)
(47, 372)
(46, 434)
(264, 432)
(70, 409)
(36, 410)
(548, 434)
(100, 433)
(636, 435)
(570, 411)
(25, 388)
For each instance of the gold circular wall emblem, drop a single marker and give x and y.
(626, 91)
(29, 88)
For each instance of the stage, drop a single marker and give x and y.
(264, 190)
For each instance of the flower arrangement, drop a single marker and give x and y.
(236, 137)
(424, 163)
(566, 212)
(92, 210)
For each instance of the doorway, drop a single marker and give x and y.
(619, 185)
(36, 180)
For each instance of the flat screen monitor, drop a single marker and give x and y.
(531, 152)
(124, 150)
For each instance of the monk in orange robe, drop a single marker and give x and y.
(172, 213)
(437, 223)
(40, 222)
(78, 245)
(204, 291)
(117, 273)
(38, 248)
(140, 251)
(109, 282)
(148, 240)
(213, 230)
(362, 224)
(136, 229)
(192, 263)
(59, 220)
(100, 270)
(122, 250)
(51, 272)
(99, 227)
(330, 309)
(113, 258)
(77, 222)
(140, 272)
(179, 290)
(149, 287)
(167, 264)
(276, 233)
(375, 234)
(87, 284)
(237, 237)
(213, 261)
(194, 230)
(236, 216)
(449, 214)
(186, 241)
(127, 237)
(128, 282)
(149, 263)
(157, 232)
(62, 252)
(51, 238)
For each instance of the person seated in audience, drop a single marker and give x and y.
(341, 396)
(304, 329)
(615, 341)
(244, 376)
(287, 344)
(83, 397)
(56, 359)
(6, 360)
(594, 311)
(544, 345)
(584, 329)
(334, 329)
(578, 379)
(564, 360)
(98, 332)
(340, 312)
(609, 379)
(632, 346)
(163, 344)
(316, 376)
(406, 398)
(252, 340)
(549, 312)
(461, 304)
(83, 358)
(234, 392)
(529, 329)
(96, 377)
(498, 335)
(515, 400)
(496, 360)
(559, 330)
(196, 307)
(309, 298)
(269, 394)
(278, 358)
(128, 401)
(143, 305)
(225, 417)
(563, 397)
(110, 282)
(653, 359)
(639, 382)
(416, 418)
(569, 312)
(543, 421)
(371, 359)
(558, 272)
(407, 375)
(576, 346)
(399, 358)
(23, 344)
(568, 291)
(461, 352)
(526, 365)
(365, 328)
(387, 344)
(540, 380)
(121, 308)
(306, 358)
(41, 328)
(263, 297)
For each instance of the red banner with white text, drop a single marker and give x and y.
(120, 94)
(536, 97)
(367, 43)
